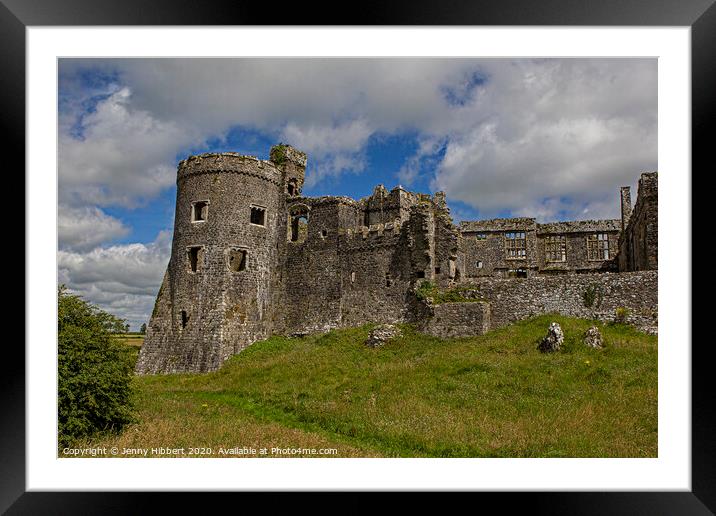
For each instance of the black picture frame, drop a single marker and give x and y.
(700, 15)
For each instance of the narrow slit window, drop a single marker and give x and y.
(237, 260)
(258, 216)
(478, 264)
(199, 211)
(184, 319)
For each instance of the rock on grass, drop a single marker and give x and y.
(382, 334)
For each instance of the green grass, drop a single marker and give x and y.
(490, 396)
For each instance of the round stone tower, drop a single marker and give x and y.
(216, 297)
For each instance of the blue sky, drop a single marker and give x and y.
(549, 138)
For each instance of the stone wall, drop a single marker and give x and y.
(639, 243)
(519, 298)
(484, 247)
(456, 319)
(576, 235)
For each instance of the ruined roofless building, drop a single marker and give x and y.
(252, 257)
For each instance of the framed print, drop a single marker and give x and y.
(239, 212)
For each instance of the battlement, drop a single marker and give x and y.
(579, 226)
(228, 162)
(647, 184)
(324, 200)
(374, 231)
(509, 224)
(283, 153)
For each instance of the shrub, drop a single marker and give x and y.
(94, 371)
(592, 295)
(620, 315)
(461, 294)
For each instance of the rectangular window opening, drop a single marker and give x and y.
(194, 254)
(184, 319)
(199, 211)
(237, 260)
(258, 216)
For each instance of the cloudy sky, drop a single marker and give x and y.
(549, 138)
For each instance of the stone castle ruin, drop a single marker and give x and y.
(251, 257)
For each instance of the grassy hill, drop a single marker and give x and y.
(418, 396)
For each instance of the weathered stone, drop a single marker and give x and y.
(553, 340)
(639, 240)
(253, 257)
(593, 338)
(380, 335)
(457, 319)
(513, 300)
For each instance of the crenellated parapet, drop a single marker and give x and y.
(229, 163)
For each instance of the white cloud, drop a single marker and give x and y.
(516, 131)
(337, 148)
(328, 107)
(562, 133)
(123, 157)
(82, 229)
(122, 279)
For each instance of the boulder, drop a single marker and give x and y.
(382, 334)
(553, 340)
(593, 338)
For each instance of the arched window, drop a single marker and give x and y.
(298, 223)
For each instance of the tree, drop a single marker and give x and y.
(94, 370)
(143, 328)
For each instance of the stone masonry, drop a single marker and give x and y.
(252, 256)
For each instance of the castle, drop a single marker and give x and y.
(251, 257)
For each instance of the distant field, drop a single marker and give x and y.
(131, 339)
(488, 396)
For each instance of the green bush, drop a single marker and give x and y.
(461, 294)
(592, 295)
(620, 315)
(94, 371)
